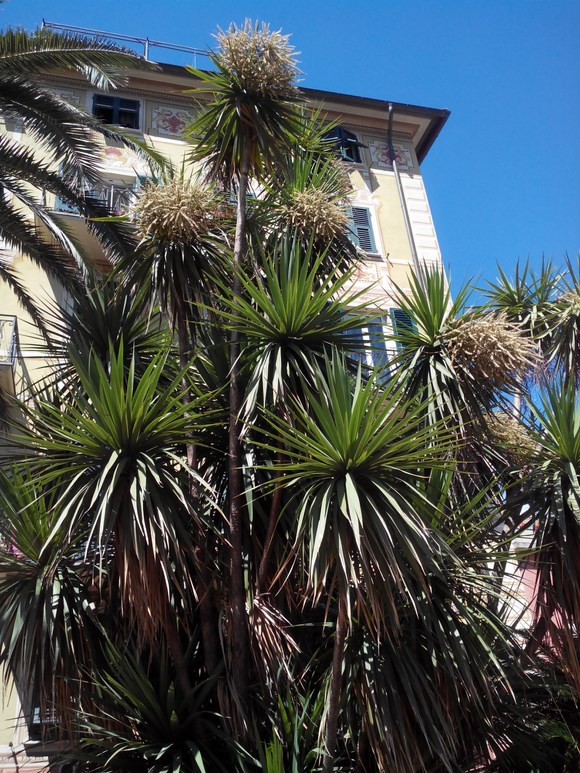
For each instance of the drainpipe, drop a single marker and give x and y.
(406, 218)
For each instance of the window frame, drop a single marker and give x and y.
(117, 106)
(362, 233)
(116, 193)
(346, 144)
(375, 330)
(401, 320)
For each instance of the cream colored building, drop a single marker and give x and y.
(382, 143)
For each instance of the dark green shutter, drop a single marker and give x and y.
(402, 323)
(361, 227)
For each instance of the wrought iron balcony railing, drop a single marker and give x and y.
(116, 198)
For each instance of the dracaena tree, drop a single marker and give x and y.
(248, 123)
(228, 544)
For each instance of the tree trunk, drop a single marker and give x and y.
(239, 629)
(208, 621)
(272, 523)
(335, 685)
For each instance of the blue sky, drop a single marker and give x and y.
(503, 178)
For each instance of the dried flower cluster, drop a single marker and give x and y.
(493, 349)
(177, 211)
(509, 433)
(262, 62)
(570, 301)
(314, 214)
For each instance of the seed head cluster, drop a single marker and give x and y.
(178, 211)
(314, 214)
(508, 432)
(493, 349)
(570, 303)
(263, 62)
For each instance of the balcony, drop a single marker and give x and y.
(115, 197)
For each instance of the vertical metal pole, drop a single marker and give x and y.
(406, 218)
(147, 49)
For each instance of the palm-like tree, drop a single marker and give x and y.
(121, 439)
(246, 126)
(339, 534)
(372, 550)
(553, 494)
(69, 145)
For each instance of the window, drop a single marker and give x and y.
(402, 323)
(116, 110)
(346, 143)
(373, 351)
(361, 230)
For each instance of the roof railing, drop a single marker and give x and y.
(134, 41)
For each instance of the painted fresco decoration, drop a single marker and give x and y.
(70, 97)
(169, 121)
(123, 161)
(381, 156)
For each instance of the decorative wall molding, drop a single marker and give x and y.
(122, 161)
(169, 121)
(381, 156)
(69, 96)
(55, 82)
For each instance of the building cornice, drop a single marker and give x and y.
(428, 120)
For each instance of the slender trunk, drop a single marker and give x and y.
(272, 523)
(176, 652)
(361, 751)
(208, 621)
(537, 637)
(335, 685)
(239, 630)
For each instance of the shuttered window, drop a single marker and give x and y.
(346, 143)
(402, 323)
(361, 228)
(371, 347)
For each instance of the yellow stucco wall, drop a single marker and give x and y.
(8, 712)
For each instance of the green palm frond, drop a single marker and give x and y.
(290, 317)
(70, 136)
(527, 298)
(563, 347)
(143, 723)
(355, 455)
(554, 491)
(119, 446)
(49, 632)
(66, 138)
(410, 695)
(101, 62)
(179, 272)
(102, 318)
(436, 364)
(235, 118)
(308, 196)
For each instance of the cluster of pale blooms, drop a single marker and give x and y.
(492, 348)
(263, 62)
(314, 214)
(179, 211)
(512, 436)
